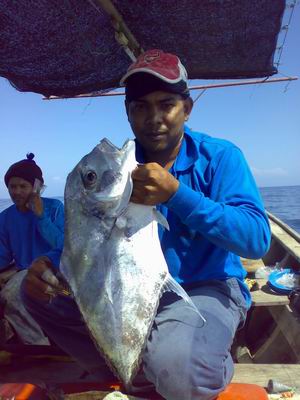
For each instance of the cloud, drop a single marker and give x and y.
(269, 172)
(58, 179)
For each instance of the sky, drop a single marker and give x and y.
(263, 120)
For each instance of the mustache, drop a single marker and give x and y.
(18, 197)
(156, 132)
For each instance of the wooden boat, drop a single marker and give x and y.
(269, 344)
(268, 347)
(270, 338)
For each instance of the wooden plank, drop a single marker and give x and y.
(288, 374)
(99, 395)
(289, 324)
(289, 243)
(264, 296)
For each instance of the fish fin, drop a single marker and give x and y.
(173, 286)
(160, 219)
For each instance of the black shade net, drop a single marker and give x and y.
(68, 47)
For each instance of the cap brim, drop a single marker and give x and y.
(148, 71)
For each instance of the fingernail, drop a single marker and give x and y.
(49, 277)
(49, 290)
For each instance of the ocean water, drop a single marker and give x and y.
(282, 201)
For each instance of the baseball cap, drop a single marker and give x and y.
(164, 66)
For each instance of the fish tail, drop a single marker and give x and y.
(173, 286)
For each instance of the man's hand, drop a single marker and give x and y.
(152, 184)
(40, 281)
(35, 203)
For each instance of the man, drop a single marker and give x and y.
(205, 189)
(32, 227)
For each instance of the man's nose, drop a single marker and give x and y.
(17, 190)
(154, 115)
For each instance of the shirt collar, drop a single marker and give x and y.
(186, 157)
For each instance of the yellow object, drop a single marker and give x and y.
(251, 283)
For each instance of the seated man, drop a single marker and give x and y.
(204, 188)
(32, 227)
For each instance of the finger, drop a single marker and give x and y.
(138, 194)
(39, 265)
(139, 174)
(49, 277)
(34, 281)
(142, 171)
(36, 288)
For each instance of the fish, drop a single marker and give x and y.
(112, 258)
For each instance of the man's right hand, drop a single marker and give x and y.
(40, 281)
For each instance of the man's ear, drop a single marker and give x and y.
(188, 106)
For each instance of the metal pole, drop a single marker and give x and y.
(212, 86)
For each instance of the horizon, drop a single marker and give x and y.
(259, 187)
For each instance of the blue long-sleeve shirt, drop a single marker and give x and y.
(24, 236)
(215, 216)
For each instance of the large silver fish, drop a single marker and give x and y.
(112, 257)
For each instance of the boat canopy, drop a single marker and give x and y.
(70, 47)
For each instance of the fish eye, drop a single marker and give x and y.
(90, 178)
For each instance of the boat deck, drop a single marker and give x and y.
(259, 374)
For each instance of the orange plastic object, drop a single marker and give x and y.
(20, 391)
(243, 391)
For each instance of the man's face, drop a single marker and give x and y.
(157, 120)
(19, 190)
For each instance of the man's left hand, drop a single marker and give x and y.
(152, 184)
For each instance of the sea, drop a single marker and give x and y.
(282, 201)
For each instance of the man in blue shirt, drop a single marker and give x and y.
(205, 189)
(29, 229)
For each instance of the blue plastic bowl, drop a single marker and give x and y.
(272, 281)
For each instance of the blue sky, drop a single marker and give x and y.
(263, 120)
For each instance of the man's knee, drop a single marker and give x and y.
(209, 380)
(179, 377)
(183, 386)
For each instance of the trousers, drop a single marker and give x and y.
(28, 331)
(184, 359)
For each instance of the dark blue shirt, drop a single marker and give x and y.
(24, 236)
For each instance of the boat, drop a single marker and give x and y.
(92, 43)
(267, 347)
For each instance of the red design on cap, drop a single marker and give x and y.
(151, 56)
(164, 66)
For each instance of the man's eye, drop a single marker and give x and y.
(138, 106)
(167, 106)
